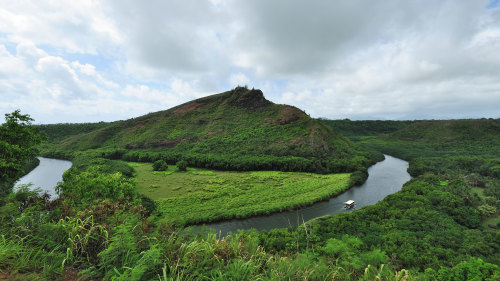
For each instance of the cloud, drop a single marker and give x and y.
(336, 59)
(78, 27)
(238, 79)
(169, 36)
(53, 89)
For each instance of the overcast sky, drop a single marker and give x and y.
(87, 61)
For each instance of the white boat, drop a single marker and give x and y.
(349, 204)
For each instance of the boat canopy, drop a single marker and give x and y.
(349, 202)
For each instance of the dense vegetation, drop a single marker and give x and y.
(429, 224)
(110, 237)
(463, 152)
(100, 227)
(18, 140)
(207, 195)
(467, 149)
(234, 130)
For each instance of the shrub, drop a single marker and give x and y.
(495, 171)
(160, 165)
(182, 165)
(487, 210)
(358, 177)
(148, 204)
(94, 184)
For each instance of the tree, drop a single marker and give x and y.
(182, 165)
(18, 145)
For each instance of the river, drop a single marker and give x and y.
(46, 175)
(385, 177)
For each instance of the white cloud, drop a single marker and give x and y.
(55, 90)
(80, 26)
(9, 63)
(238, 79)
(143, 93)
(337, 59)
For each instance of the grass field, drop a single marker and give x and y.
(200, 195)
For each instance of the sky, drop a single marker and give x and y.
(88, 61)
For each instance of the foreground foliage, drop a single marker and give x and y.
(116, 241)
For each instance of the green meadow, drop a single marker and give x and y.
(200, 195)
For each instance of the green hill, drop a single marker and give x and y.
(237, 129)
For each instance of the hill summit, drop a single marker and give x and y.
(239, 129)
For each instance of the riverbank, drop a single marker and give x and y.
(30, 166)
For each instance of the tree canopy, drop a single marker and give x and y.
(18, 144)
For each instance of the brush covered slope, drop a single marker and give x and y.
(235, 130)
(365, 128)
(450, 131)
(437, 138)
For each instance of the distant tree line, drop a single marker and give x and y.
(237, 162)
(60, 131)
(365, 127)
(249, 162)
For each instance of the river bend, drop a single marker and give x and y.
(385, 177)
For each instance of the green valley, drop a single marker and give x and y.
(250, 140)
(117, 219)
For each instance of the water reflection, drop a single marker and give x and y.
(46, 175)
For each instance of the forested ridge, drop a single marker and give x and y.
(440, 226)
(411, 139)
(366, 127)
(57, 132)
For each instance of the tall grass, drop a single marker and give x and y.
(17, 256)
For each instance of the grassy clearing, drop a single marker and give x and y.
(478, 190)
(491, 221)
(200, 195)
(136, 164)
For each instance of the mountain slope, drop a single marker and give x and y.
(233, 124)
